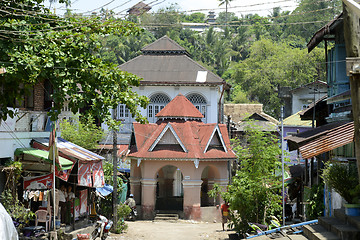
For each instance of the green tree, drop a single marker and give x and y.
(120, 49)
(255, 191)
(271, 64)
(163, 21)
(82, 132)
(196, 17)
(226, 2)
(37, 46)
(311, 15)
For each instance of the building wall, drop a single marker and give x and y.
(211, 94)
(303, 97)
(144, 179)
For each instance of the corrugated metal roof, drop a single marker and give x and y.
(327, 29)
(322, 139)
(295, 120)
(72, 150)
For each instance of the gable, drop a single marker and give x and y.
(257, 117)
(168, 137)
(216, 141)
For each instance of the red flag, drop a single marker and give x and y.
(53, 146)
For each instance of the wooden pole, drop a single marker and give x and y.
(351, 13)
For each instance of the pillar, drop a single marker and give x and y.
(192, 190)
(223, 183)
(135, 189)
(148, 196)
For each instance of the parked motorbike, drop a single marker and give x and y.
(102, 228)
(133, 214)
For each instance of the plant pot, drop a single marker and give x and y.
(352, 209)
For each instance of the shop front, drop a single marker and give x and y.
(80, 172)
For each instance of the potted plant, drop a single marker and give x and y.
(343, 178)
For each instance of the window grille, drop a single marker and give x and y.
(157, 102)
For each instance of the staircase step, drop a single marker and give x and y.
(297, 237)
(166, 217)
(346, 232)
(318, 232)
(354, 221)
(329, 222)
(340, 214)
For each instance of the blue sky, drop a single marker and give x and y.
(262, 7)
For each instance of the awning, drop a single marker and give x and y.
(322, 139)
(68, 148)
(90, 170)
(42, 155)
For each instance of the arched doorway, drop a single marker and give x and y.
(208, 177)
(169, 189)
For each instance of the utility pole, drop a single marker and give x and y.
(282, 166)
(114, 155)
(351, 13)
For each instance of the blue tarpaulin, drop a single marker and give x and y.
(106, 190)
(127, 170)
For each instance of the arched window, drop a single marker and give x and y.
(157, 102)
(199, 102)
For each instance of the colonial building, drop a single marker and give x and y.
(166, 70)
(175, 161)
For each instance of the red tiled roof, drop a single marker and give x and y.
(194, 136)
(181, 107)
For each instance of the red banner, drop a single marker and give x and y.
(84, 174)
(83, 201)
(39, 182)
(91, 174)
(98, 174)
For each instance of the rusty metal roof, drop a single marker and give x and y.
(322, 139)
(327, 29)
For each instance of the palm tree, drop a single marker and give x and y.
(226, 2)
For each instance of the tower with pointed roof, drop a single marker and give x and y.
(175, 161)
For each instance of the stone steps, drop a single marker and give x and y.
(173, 217)
(340, 226)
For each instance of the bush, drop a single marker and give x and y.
(316, 206)
(123, 211)
(343, 178)
(16, 209)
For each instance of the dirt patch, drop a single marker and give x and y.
(182, 230)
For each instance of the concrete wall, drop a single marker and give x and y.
(304, 96)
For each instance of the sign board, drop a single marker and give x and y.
(187, 177)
